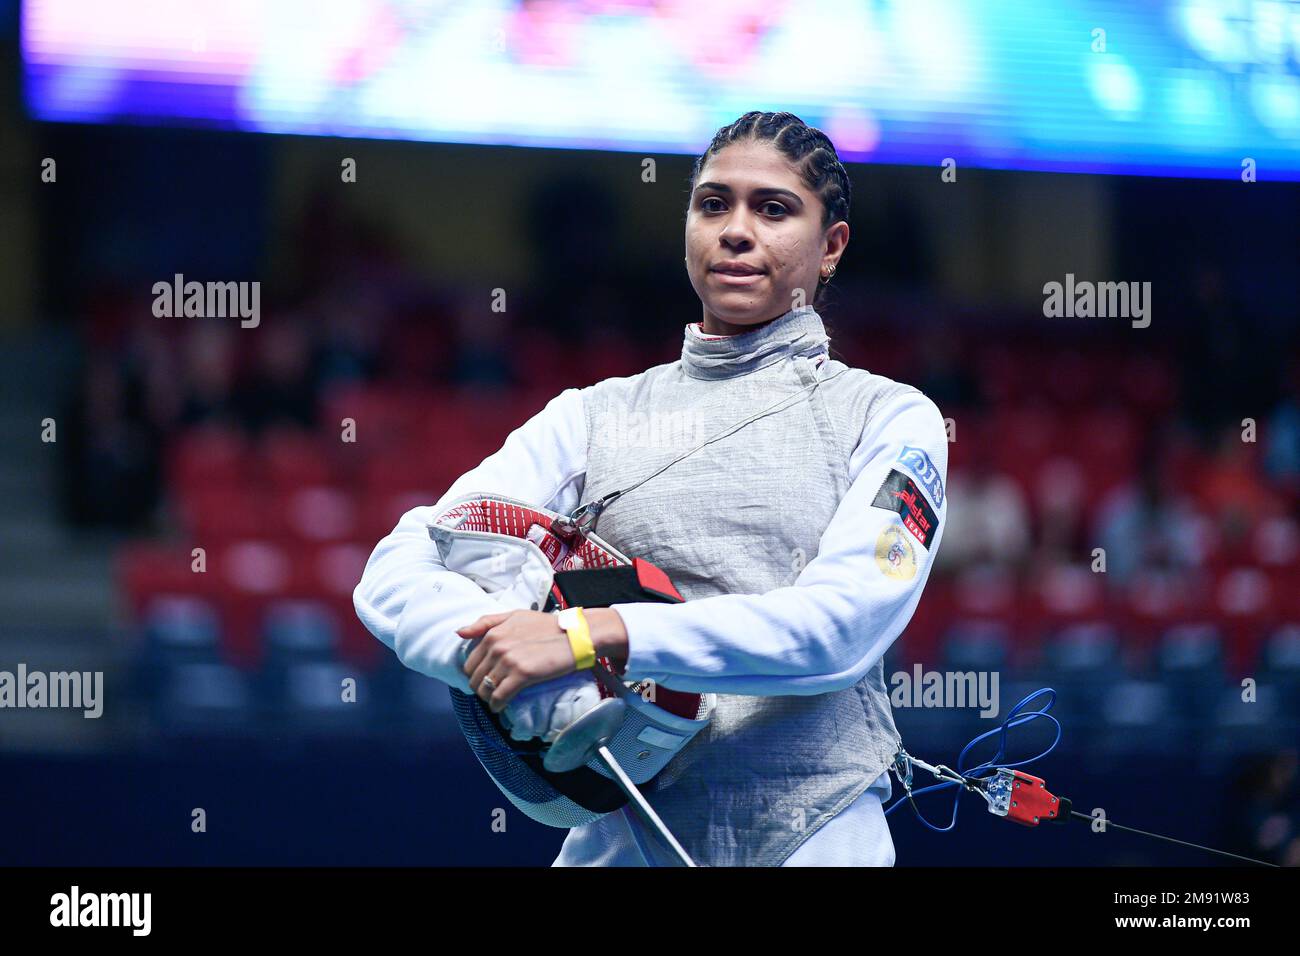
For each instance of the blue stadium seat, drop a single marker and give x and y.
(1082, 662)
(181, 627)
(178, 630)
(1245, 726)
(1139, 716)
(1190, 661)
(1085, 649)
(307, 698)
(976, 646)
(1279, 667)
(1191, 649)
(1282, 649)
(203, 699)
(318, 686)
(297, 630)
(1137, 703)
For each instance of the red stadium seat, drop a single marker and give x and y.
(1154, 602)
(320, 513)
(383, 476)
(1245, 610)
(382, 418)
(210, 456)
(215, 514)
(1146, 383)
(1026, 439)
(919, 642)
(379, 514)
(292, 459)
(1062, 596)
(536, 357)
(336, 571)
(1105, 443)
(983, 595)
(1071, 380)
(1002, 375)
(146, 570)
(419, 350)
(249, 575)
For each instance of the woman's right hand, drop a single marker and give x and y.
(545, 709)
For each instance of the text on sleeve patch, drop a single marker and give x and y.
(899, 493)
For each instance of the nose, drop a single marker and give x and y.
(737, 233)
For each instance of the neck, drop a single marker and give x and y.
(712, 325)
(798, 332)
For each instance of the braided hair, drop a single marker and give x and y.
(807, 148)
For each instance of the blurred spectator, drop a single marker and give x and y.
(1147, 525)
(1226, 375)
(486, 356)
(208, 371)
(1059, 501)
(944, 374)
(1281, 437)
(350, 329)
(988, 519)
(281, 386)
(111, 475)
(1231, 491)
(1265, 822)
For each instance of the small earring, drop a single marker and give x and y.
(826, 276)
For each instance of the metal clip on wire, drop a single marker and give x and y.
(903, 770)
(584, 518)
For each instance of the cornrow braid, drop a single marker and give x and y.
(807, 148)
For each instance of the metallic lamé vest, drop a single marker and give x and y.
(743, 516)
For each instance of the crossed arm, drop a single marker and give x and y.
(819, 634)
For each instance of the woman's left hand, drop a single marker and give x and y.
(518, 649)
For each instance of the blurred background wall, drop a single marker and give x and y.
(377, 306)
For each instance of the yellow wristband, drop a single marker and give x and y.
(575, 625)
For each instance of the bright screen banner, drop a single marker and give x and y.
(1160, 87)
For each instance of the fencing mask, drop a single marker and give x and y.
(516, 552)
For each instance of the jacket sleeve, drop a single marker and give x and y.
(409, 600)
(823, 632)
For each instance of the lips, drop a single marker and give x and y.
(736, 269)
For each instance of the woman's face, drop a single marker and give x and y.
(751, 212)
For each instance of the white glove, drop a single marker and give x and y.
(545, 709)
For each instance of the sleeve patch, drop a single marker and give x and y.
(894, 554)
(899, 493)
(918, 463)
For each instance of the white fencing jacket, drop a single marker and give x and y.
(823, 632)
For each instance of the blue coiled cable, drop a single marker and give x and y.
(1015, 718)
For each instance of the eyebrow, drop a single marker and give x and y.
(762, 191)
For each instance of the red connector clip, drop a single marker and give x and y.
(1022, 797)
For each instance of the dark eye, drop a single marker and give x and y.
(705, 203)
(781, 210)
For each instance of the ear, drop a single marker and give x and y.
(836, 239)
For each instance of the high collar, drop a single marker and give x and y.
(798, 332)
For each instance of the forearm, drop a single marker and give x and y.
(409, 599)
(608, 633)
(792, 641)
(414, 605)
